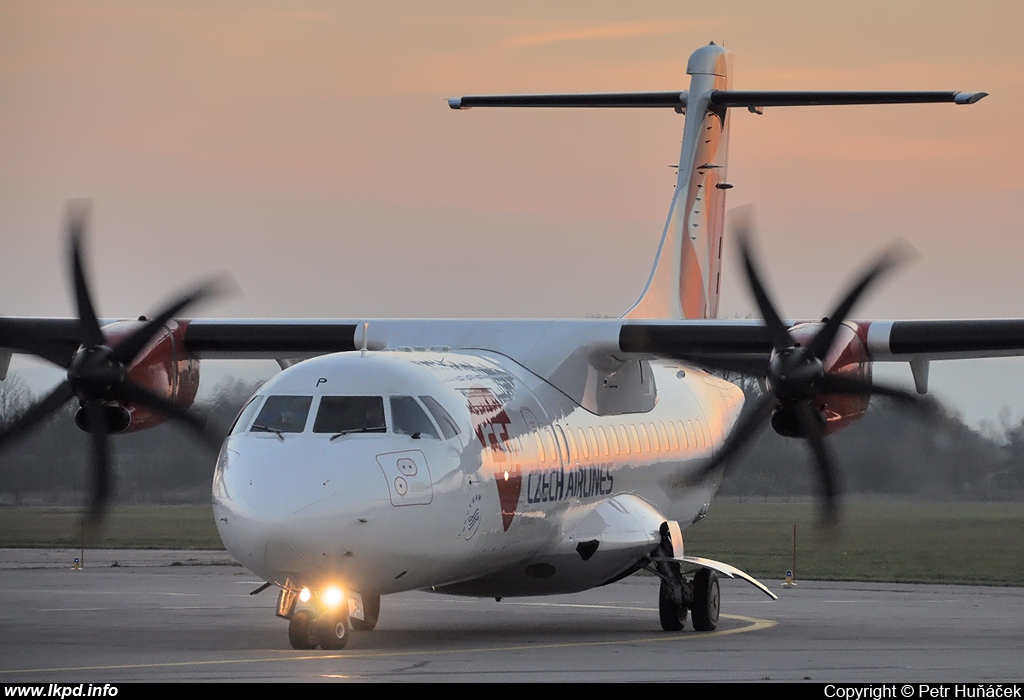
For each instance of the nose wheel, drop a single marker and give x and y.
(329, 630)
(301, 630)
(332, 630)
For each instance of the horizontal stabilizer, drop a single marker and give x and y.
(799, 98)
(721, 98)
(599, 99)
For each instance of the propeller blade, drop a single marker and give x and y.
(747, 428)
(133, 393)
(87, 320)
(129, 348)
(61, 394)
(777, 330)
(895, 255)
(100, 459)
(823, 462)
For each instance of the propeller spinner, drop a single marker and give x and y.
(97, 374)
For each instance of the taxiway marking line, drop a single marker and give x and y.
(755, 625)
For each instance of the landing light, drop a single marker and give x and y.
(305, 595)
(506, 475)
(333, 596)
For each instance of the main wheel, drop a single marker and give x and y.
(371, 611)
(707, 599)
(302, 631)
(332, 630)
(672, 613)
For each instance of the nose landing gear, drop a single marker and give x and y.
(328, 630)
(329, 619)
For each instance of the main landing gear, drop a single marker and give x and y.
(327, 623)
(678, 594)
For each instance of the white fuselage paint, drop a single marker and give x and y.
(384, 512)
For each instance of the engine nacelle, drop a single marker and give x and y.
(163, 368)
(849, 357)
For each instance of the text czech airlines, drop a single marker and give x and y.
(560, 484)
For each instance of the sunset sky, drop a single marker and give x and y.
(308, 149)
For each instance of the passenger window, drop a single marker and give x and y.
(674, 434)
(409, 419)
(283, 414)
(635, 442)
(245, 416)
(574, 450)
(449, 428)
(552, 449)
(350, 414)
(646, 438)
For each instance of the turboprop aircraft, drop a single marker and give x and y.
(503, 457)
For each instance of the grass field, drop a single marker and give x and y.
(979, 543)
(128, 527)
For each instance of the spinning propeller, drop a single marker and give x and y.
(97, 374)
(797, 380)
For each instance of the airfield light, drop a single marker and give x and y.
(333, 596)
(305, 595)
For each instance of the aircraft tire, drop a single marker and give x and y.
(332, 630)
(707, 600)
(302, 631)
(371, 611)
(672, 614)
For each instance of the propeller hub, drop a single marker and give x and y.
(793, 374)
(94, 372)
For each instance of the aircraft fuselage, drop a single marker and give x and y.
(511, 489)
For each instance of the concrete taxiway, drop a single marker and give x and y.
(188, 616)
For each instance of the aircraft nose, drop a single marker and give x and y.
(280, 509)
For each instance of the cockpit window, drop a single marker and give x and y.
(350, 414)
(245, 415)
(448, 425)
(410, 419)
(283, 414)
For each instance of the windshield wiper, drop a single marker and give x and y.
(378, 429)
(268, 429)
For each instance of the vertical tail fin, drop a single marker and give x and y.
(687, 269)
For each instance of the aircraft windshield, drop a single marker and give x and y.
(245, 415)
(283, 414)
(350, 414)
(410, 419)
(448, 425)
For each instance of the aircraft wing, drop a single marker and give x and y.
(583, 358)
(741, 341)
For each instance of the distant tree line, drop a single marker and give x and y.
(890, 452)
(167, 464)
